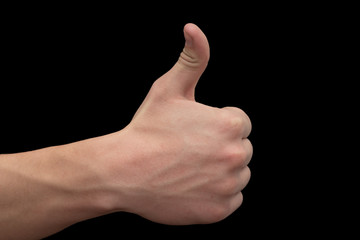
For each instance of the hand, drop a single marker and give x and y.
(177, 162)
(188, 161)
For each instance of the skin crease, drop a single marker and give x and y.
(178, 162)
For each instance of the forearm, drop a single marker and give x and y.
(44, 191)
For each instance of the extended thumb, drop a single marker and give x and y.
(192, 62)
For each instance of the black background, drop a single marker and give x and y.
(74, 72)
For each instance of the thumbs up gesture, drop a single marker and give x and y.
(186, 163)
(192, 62)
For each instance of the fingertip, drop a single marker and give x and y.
(197, 42)
(190, 28)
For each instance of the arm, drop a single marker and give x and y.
(177, 162)
(44, 191)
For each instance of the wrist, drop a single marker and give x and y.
(119, 158)
(84, 181)
(110, 170)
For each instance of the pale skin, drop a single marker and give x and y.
(177, 162)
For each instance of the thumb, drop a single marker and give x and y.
(184, 75)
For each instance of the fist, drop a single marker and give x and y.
(190, 160)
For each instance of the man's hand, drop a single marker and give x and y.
(190, 161)
(177, 162)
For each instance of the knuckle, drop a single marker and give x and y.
(236, 158)
(244, 178)
(187, 58)
(217, 213)
(249, 146)
(230, 186)
(246, 175)
(236, 123)
(190, 60)
(221, 209)
(231, 123)
(237, 120)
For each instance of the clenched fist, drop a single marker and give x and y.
(185, 163)
(177, 162)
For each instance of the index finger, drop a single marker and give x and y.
(244, 120)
